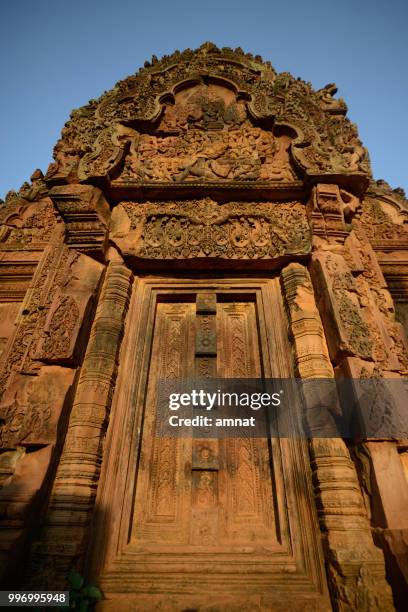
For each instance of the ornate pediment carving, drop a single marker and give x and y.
(204, 134)
(203, 95)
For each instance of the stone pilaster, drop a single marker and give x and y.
(365, 341)
(355, 566)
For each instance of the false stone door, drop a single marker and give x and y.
(189, 523)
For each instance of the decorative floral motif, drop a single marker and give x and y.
(203, 228)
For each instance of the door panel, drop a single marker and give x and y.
(162, 492)
(246, 481)
(195, 517)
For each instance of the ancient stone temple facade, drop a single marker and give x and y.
(206, 217)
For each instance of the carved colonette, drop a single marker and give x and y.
(355, 566)
(72, 499)
(284, 176)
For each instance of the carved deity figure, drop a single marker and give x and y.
(206, 135)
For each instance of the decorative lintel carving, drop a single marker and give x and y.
(197, 229)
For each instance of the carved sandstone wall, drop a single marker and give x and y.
(206, 162)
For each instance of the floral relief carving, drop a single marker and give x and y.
(54, 272)
(378, 225)
(203, 228)
(25, 224)
(62, 321)
(347, 296)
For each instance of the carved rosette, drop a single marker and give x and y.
(27, 225)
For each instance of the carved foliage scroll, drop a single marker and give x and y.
(203, 228)
(359, 317)
(62, 322)
(385, 216)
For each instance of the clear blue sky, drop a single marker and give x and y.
(55, 56)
